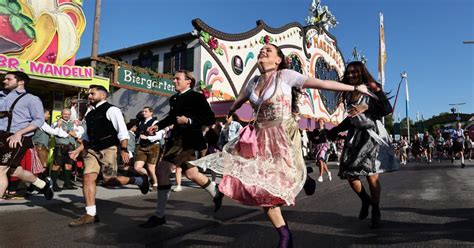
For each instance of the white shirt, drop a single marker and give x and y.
(54, 131)
(115, 116)
(79, 130)
(188, 89)
(159, 135)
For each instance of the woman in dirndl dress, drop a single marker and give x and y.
(276, 175)
(367, 151)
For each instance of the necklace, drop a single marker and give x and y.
(266, 84)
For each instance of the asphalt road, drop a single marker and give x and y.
(422, 206)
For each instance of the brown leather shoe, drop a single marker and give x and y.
(85, 219)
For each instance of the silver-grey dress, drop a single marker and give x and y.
(367, 149)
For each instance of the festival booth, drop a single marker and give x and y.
(41, 38)
(229, 60)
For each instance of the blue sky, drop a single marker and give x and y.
(423, 37)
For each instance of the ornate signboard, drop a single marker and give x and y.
(228, 61)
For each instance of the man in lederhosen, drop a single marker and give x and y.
(21, 113)
(105, 131)
(148, 149)
(62, 148)
(189, 112)
(41, 139)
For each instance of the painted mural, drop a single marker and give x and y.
(229, 60)
(47, 31)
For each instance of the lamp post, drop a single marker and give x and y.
(404, 76)
(455, 109)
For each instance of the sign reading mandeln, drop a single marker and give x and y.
(144, 81)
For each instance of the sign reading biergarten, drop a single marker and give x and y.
(144, 81)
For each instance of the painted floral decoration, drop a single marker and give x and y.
(205, 89)
(212, 42)
(267, 39)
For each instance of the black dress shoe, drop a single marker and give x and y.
(463, 165)
(218, 199)
(48, 190)
(309, 186)
(56, 188)
(153, 221)
(145, 187)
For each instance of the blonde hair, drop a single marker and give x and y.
(189, 76)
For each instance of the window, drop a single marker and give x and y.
(147, 60)
(179, 58)
(326, 72)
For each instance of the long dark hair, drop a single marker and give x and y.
(364, 77)
(295, 92)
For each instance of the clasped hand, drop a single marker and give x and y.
(356, 110)
(364, 90)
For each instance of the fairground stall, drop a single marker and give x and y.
(41, 38)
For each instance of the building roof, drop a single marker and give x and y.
(147, 45)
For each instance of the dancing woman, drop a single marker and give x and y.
(277, 173)
(366, 149)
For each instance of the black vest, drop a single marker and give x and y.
(100, 130)
(142, 130)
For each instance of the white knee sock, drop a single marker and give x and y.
(39, 183)
(211, 188)
(91, 210)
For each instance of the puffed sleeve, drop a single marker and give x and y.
(293, 78)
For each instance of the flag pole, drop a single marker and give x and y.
(382, 55)
(404, 75)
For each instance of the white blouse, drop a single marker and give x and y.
(288, 79)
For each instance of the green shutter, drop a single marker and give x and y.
(167, 63)
(190, 59)
(154, 62)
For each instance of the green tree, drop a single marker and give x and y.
(389, 123)
(403, 123)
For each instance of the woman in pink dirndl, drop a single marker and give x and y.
(276, 175)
